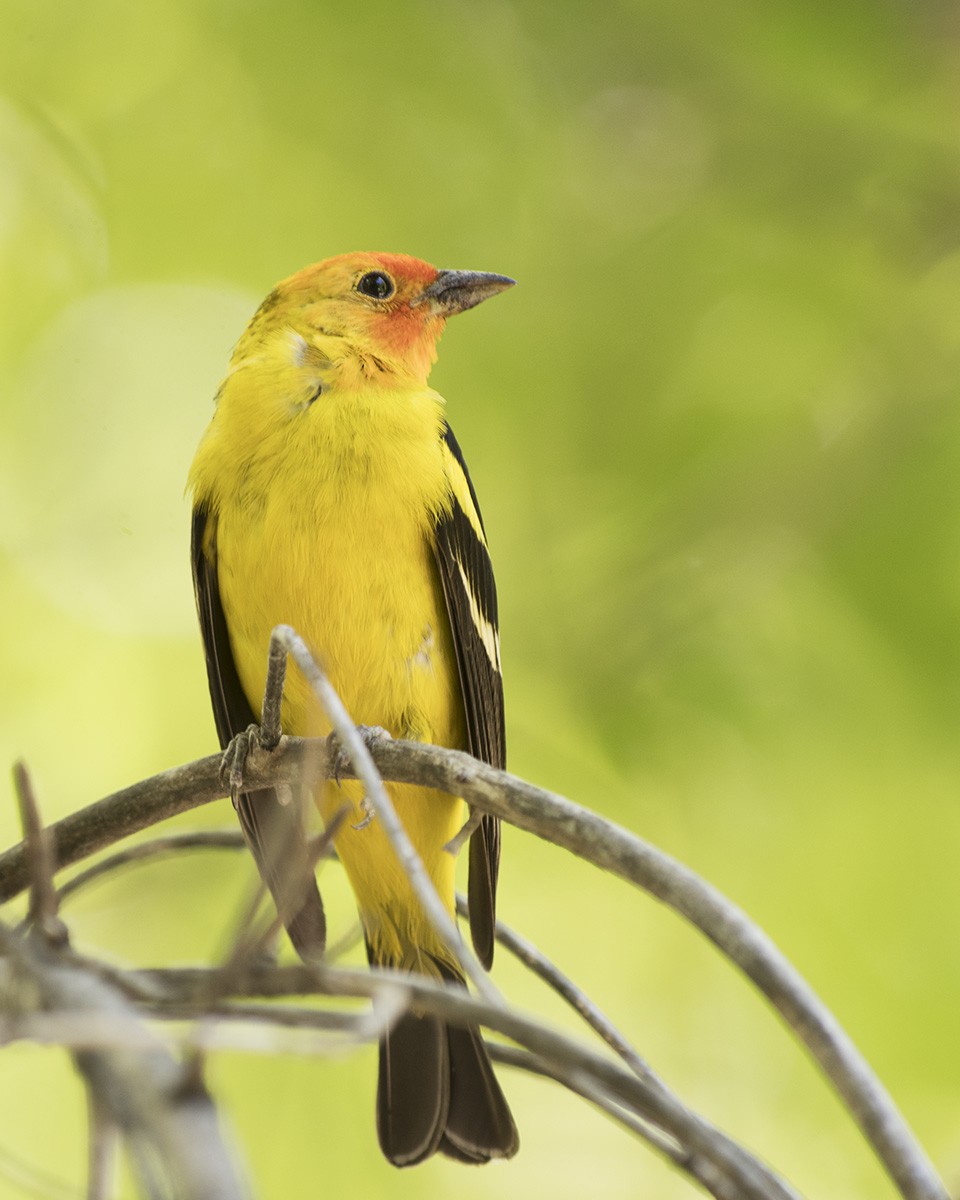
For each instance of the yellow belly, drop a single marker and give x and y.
(349, 566)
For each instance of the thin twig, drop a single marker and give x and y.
(537, 962)
(251, 940)
(160, 847)
(42, 912)
(614, 849)
(170, 1129)
(253, 933)
(175, 991)
(465, 832)
(699, 1168)
(128, 811)
(101, 1149)
(287, 640)
(358, 1028)
(520, 947)
(557, 820)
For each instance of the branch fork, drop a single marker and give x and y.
(631, 1092)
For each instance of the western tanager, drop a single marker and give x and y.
(331, 495)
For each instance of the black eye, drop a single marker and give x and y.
(375, 284)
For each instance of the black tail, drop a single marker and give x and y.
(437, 1091)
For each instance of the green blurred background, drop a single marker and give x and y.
(715, 435)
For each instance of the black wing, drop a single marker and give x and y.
(274, 832)
(471, 599)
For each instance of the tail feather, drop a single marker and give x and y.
(479, 1122)
(437, 1091)
(413, 1092)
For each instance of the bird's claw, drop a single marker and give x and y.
(341, 759)
(369, 812)
(235, 756)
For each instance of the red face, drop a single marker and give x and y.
(386, 306)
(374, 301)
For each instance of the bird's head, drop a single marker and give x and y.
(378, 314)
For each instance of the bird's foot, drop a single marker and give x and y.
(369, 812)
(235, 756)
(369, 734)
(341, 758)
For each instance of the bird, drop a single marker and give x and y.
(330, 494)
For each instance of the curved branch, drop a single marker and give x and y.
(700, 1169)
(177, 992)
(108, 821)
(346, 1023)
(557, 820)
(594, 838)
(283, 641)
(167, 1117)
(537, 962)
(174, 843)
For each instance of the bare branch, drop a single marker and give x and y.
(176, 993)
(563, 823)
(251, 941)
(699, 1168)
(102, 1145)
(117, 816)
(43, 895)
(464, 833)
(605, 844)
(171, 844)
(168, 1123)
(579, 1001)
(444, 925)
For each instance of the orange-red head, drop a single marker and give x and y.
(385, 311)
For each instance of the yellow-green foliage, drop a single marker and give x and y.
(715, 432)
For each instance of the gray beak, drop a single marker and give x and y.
(456, 291)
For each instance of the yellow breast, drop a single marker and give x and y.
(324, 523)
(329, 530)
